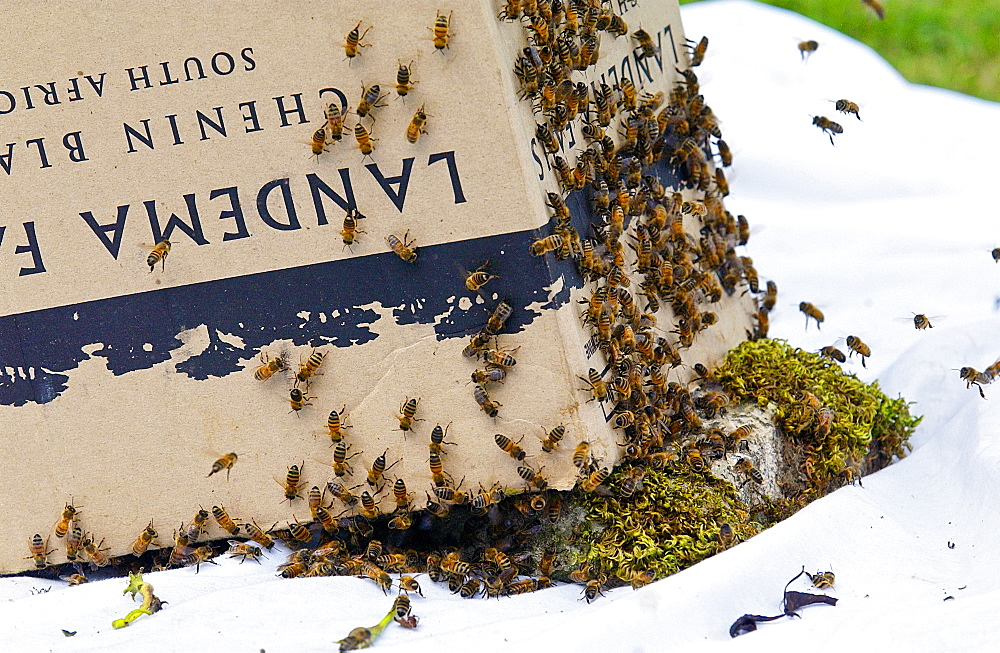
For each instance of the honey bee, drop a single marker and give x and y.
(590, 483)
(745, 466)
(476, 344)
(876, 7)
(632, 483)
(224, 463)
(811, 312)
(846, 106)
(364, 139)
(551, 440)
(400, 495)
(401, 606)
(476, 280)
(318, 143)
(324, 517)
(533, 478)
(334, 123)
(353, 41)
(698, 51)
(298, 400)
(439, 510)
(315, 499)
(995, 254)
(378, 469)
(509, 447)
(197, 556)
(335, 423)
(542, 246)
(992, 371)
(416, 126)
(269, 368)
(483, 399)
(499, 358)
(855, 346)
(243, 550)
(489, 375)
(822, 579)
(293, 477)
(73, 542)
(437, 469)
(68, 514)
(75, 579)
(224, 521)
(770, 296)
(521, 587)
(828, 126)
(299, 531)
(725, 154)
(409, 584)
(407, 411)
(726, 535)
(598, 389)
(442, 31)
(39, 553)
(470, 588)
(592, 590)
(159, 255)
(350, 231)
(404, 249)
(806, 48)
(94, 551)
(694, 459)
(833, 354)
(259, 536)
(401, 522)
(403, 83)
(921, 321)
(197, 524)
(342, 493)
(645, 41)
(511, 10)
(738, 435)
(581, 456)
(438, 435)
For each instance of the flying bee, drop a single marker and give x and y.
(598, 389)
(73, 542)
(407, 411)
(243, 550)
(833, 354)
(159, 255)
(590, 483)
(317, 144)
(224, 463)
(223, 519)
(298, 400)
(364, 139)
(308, 369)
(442, 32)
(698, 51)
(745, 466)
(483, 399)
(509, 447)
(499, 358)
(145, 538)
(551, 440)
(353, 41)
(770, 296)
(645, 43)
(403, 83)
(476, 280)
(855, 346)
(846, 106)
(876, 7)
(334, 122)
(416, 126)
(350, 230)
(806, 48)
(405, 249)
(68, 514)
(293, 479)
(828, 126)
(378, 469)
(438, 435)
(270, 367)
(995, 254)
(542, 246)
(39, 551)
(811, 312)
(921, 321)
(259, 536)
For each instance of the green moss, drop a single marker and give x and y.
(668, 525)
(868, 428)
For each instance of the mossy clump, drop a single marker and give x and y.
(671, 523)
(867, 428)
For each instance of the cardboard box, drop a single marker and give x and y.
(132, 123)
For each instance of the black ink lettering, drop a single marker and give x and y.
(641, 65)
(133, 80)
(39, 142)
(236, 213)
(227, 57)
(2, 229)
(201, 69)
(252, 117)
(11, 103)
(5, 159)
(673, 46)
(627, 69)
(32, 246)
(117, 228)
(98, 84)
(146, 140)
(534, 155)
(286, 194)
(317, 186)
(27, 96)
(203, 120)
(166, 76)
(49, 95)
(245, 56)
(172, 119)
(403, 180)
(340, 96)
(283, 112)
(456, 182)
(73, 92)
(612, 72)
(72, 142)
(193, 230)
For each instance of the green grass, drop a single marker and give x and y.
(951, 44)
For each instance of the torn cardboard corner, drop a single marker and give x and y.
(198, 126)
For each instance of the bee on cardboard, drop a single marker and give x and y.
(224, 463)
(308, 368)
(334, 122)
(68, 514)
(353, 42)
(476, 280)
(407, 412)
(482, 398)
(270, 367)
(298, 400)
(442, 32)
(416, 126)
(39, 550)
(350, 231)
(159, 255)
(404, 249)
(317, 144)
(223, 519)
(336, 424)
(370, 99)
(293, 478)
(364, 139)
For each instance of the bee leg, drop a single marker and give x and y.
(981, 391)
